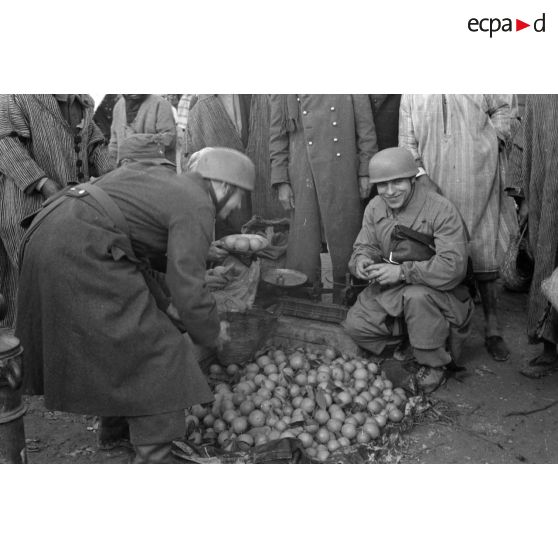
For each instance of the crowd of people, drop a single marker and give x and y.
(418, 197)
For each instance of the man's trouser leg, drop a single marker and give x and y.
(431, 317)
(152, 435)
(8, 286)
(370, 325)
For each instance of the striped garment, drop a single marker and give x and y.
(540, 188)
(460, 140)
(37, 142)
(183, 109)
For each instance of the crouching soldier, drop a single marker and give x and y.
(412, 249)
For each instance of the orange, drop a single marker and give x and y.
(296, 362)
(395, 415)
(242, 244)
(270, 369)
(255, 244)
(372, 367)
(361, 385)
(246, 407)
(381, 420)
(333, 445)
(239, 425)
(334, 425)
(262, 361)
(372, 429)
(306, 439)
(321, 416)
(363, 437)
(349, 430)
(360, 374)
(252, 367)
(301, 379)
(215, 369)
(219, 425)
(322, 455)
(307, 405)
(330, 353)
(322, 436)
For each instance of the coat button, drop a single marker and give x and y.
(305, 112)
(338, 154)
(334, 123)
(335, 140)
(310, 142)
(298, 99)
(332, 108)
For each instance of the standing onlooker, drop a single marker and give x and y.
(320, 146)
(460, 141)
(540, 206)
(239, 122)
(46, 143)
(143, 114)
(385, 109)
(103, 114)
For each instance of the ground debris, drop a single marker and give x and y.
(531, 411)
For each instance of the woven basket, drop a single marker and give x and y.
(549, 287)
(247, 331)
(517, 267)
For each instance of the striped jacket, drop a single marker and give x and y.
(37, 142)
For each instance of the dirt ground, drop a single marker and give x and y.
(497, 415)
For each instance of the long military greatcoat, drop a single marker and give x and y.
(95, 341)
(322, 160)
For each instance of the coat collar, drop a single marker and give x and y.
(50, 103)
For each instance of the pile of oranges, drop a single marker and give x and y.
(328, 401)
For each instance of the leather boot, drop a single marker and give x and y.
(154, 454)
(113, 433)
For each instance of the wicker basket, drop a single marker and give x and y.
(247, 331)
(517, 268)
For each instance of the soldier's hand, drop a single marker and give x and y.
(361, 267)
(364, 187)
(385, 274)
(216, 252)
(286, 197)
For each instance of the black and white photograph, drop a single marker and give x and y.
(357, 290)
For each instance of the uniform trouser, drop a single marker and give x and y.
(145, 430)
(437, 322)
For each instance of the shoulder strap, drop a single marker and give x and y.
(109, 205)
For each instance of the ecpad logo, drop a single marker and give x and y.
(492, 25)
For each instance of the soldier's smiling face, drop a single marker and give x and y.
(396, 192)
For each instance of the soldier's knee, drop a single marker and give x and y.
(415, 293)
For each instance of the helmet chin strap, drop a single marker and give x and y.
(219, 204)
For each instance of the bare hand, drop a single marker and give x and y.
(365, 187)
(286, 196)
(50, 188)
(385, 274)
(362, 265)
(214, 281)
(216, 253)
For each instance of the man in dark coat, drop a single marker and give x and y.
(46, 143)
(385, 109)
(97, 341)
(320, 146)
